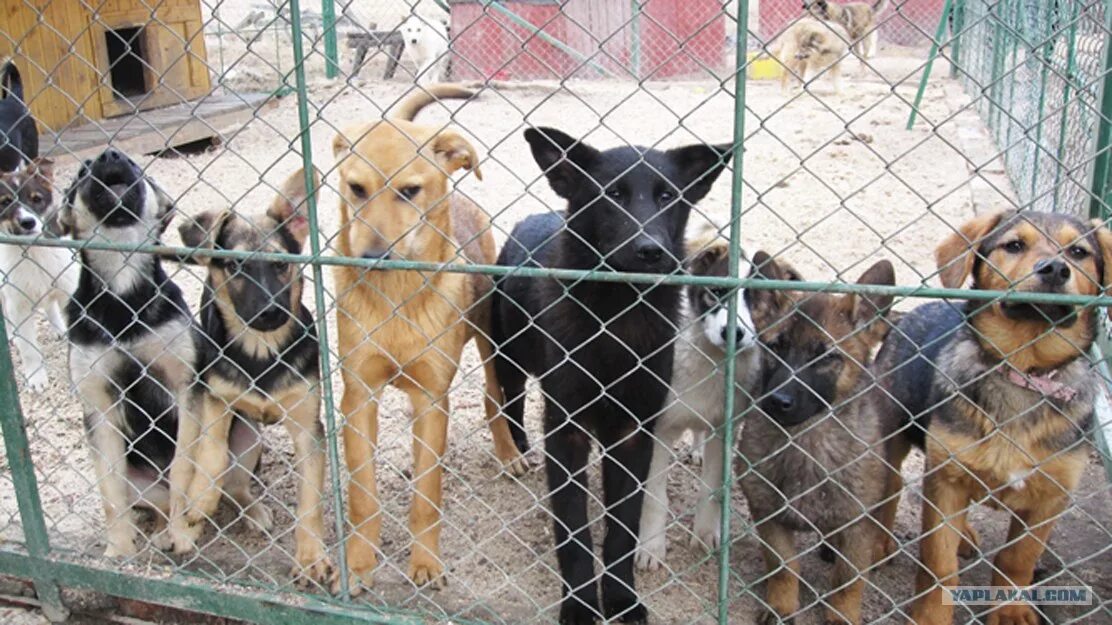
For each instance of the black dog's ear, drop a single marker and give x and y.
(564, 160)
(699, 166)
(202, 231)
(166, 206)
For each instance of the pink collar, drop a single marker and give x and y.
(1044, 384)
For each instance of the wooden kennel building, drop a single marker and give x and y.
(87, 61)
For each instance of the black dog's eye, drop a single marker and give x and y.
(1077, 252)
(4, 201)
(830, 357)
(614, 193)
(358, 190)
(667, 196)
(1014, 247)
(409, 192)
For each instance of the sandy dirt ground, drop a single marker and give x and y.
(832, 183)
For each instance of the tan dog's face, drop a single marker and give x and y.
(1026, 252)
(394, 180)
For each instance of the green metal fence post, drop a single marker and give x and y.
(939, 32)
(958, 13)
(635, 38)
(736, 186)
(1100, 194)
(36, 539)
(331, 50)
(306, 138)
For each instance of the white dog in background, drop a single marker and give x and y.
(426, 45)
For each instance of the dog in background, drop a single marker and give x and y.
(426, 45)
(257, 359)
(603, 351)
(34, 276)
(19, 135)
(814, 449)
(809, 47)
(131, 349)
(696, 399)
(858, 18)
(407, 329)
(1000, 394)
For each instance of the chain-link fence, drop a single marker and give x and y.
(496, 316)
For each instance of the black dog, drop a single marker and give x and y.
(602, 350)
(19, 136)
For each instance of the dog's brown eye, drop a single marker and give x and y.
(36, 198)
(358, 190)
(409, 192)
(1014, 247)
(1077, 252)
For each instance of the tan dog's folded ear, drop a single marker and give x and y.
(201, 231)
(1104, 238)
(867, 309)
(765, 305)
(453, 152)
(289, 208)
(347, 137)
(957, 252)
(703, 252)
(44, 167)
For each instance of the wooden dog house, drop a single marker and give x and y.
(84, 62)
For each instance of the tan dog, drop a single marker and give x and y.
(858, 18)
(809, 47)
(258, 359)
(407, 329)
(999, 394)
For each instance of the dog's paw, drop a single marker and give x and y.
(970, 543)
(708, 534)
(260, 516)
(574, 612)
(120, 548)
(162, 540)
(427, 572)
(317, 571)
(184, 536)
(37, 380)
(516, 466)
(651, 553)
(770, 617)
(637, 614)
(358, 581)
(1013, 614)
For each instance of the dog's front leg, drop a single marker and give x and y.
(943, 505)
(708, 514)
(854, 555)
(430, 435)
(513, 461)
(110, 467)
(182, 536)
(360, 407)
(211, 456)
(625, 465)
(1014, 566)
(567, 447)
(21, 328)
(782, 592)
(652, 534)
(303, 424)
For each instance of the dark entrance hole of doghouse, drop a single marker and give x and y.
(127, 62)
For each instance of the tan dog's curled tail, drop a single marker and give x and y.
(411, 106)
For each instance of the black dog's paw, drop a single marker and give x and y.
(637, 615)
(574, 612)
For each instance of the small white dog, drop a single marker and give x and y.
(426, 46)
(696, 401)
(34, 276)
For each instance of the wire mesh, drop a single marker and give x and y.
(335, 264)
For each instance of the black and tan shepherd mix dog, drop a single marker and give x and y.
(407, 329)
(603, 351)
(132, 350)
(257, 359)
(858, 18)
(815, 449)
(1000, 394)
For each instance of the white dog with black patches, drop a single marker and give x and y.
(132, 351)
(697, 399)
(426, 46)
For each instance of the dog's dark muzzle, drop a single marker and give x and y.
(269, 319)
(113, 188)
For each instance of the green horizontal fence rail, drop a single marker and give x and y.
(1041, 128)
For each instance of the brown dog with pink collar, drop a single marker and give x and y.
(999, 394)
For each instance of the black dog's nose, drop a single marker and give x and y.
(27, 223)
(110, 155)
(271, 314)
(1053, 271)
(650, 252)
(739, 336)
(781, 401)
